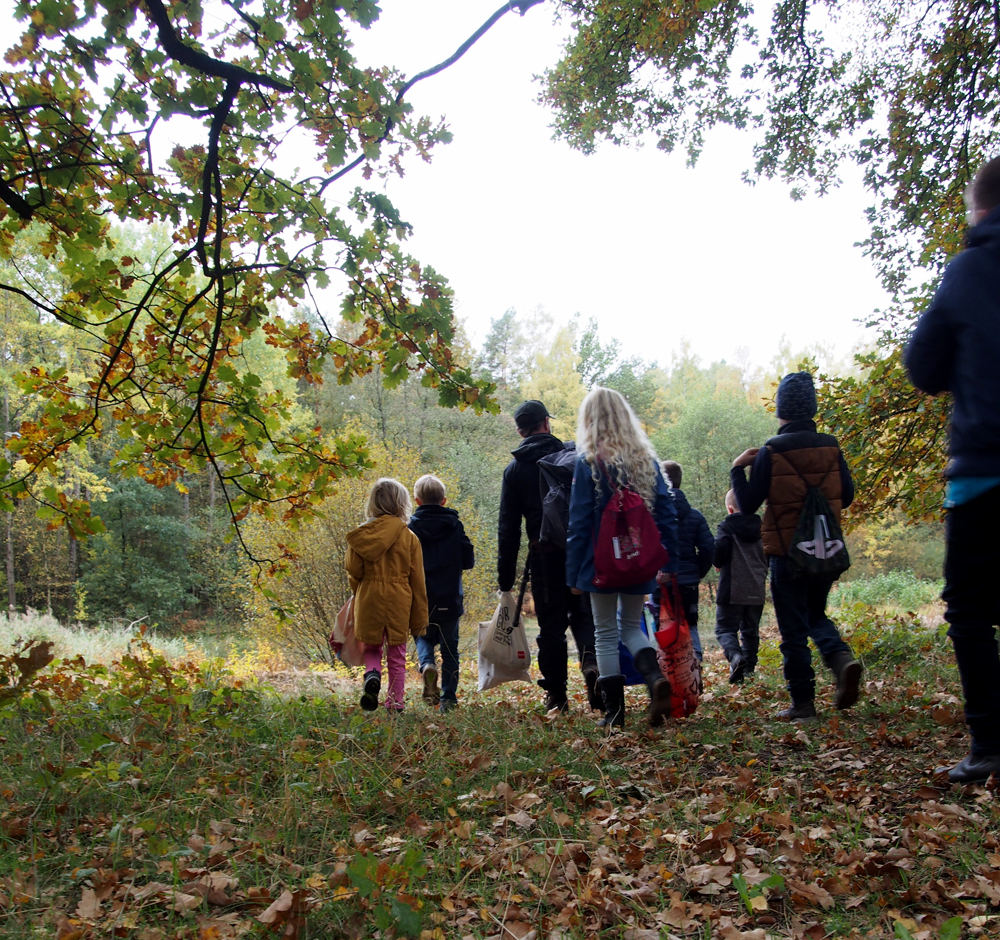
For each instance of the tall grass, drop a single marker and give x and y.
(101, 644)
(899, 589)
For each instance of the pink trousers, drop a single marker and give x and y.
(395, 658)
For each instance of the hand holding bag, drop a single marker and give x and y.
(504, 654)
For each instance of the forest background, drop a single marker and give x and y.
(167, 558)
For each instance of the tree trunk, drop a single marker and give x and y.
(74, 557)
(11, 584)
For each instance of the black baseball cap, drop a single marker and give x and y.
(530, 414)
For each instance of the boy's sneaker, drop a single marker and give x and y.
(803, 712)
(370, 690)
(431, 693)
(447, 704)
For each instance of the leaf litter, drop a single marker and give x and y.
(161, 802)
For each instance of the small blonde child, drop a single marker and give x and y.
(385, 568)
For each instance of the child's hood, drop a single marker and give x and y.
(373, 539)
(744, 525)
(434, 523)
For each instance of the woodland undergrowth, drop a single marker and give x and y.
(152, 801)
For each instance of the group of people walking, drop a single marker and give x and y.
(408, 578)
(416, 569)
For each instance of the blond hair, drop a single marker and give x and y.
(388, 497)
(731, 501)
(429, 489)
(609, 436)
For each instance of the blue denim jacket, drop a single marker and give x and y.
(585, 517)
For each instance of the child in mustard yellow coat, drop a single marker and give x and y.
(385, 567)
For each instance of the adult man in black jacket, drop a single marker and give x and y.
(956, 348)
(555, 606)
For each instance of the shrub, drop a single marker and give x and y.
(899, 589)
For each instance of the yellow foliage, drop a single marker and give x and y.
(555, 382)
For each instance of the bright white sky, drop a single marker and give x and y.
(655, 251)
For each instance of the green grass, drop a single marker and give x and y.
(98, 644)
(901, 590)
(171, 803)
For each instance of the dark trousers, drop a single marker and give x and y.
(970, 595)
(800, 606)
(557, 608)
(445, 634)
(737, 628)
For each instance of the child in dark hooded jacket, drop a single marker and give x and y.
(739, 556)
(447, 553)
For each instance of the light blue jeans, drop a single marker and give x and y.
(617, 616)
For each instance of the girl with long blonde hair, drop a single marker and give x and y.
(616, 454)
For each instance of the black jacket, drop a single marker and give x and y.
(956, 348)
(745, 528)
(521, 498)
(695, 545)
(447, 552)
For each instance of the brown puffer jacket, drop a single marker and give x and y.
(793, 472)
(386, 569)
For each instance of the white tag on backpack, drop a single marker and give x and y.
(618, 547)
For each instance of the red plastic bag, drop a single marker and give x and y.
(627, 549)
(678, 660)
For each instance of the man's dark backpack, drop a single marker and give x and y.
(817, 546)
(555, 480)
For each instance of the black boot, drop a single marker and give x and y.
(613, 693)
(590, 673)
(737, 668)
(799, 711)
(848, 672)
(648, 666)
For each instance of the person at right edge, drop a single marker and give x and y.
(955, 348)
(555, 606)
(782, 472)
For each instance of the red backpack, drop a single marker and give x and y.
(627, 550)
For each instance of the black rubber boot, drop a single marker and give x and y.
(848, 672)
(803, 711)
(648, 666)
(590, 673)
(613, 694)
(972, 769)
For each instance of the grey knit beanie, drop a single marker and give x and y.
(796, 397)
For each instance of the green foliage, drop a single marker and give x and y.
(555, 381)
(601, 364)
(914, 110)
(899, 589)
(382, 885)
(749, 893)
(709, 432)
(140, 567)
(94, 98)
